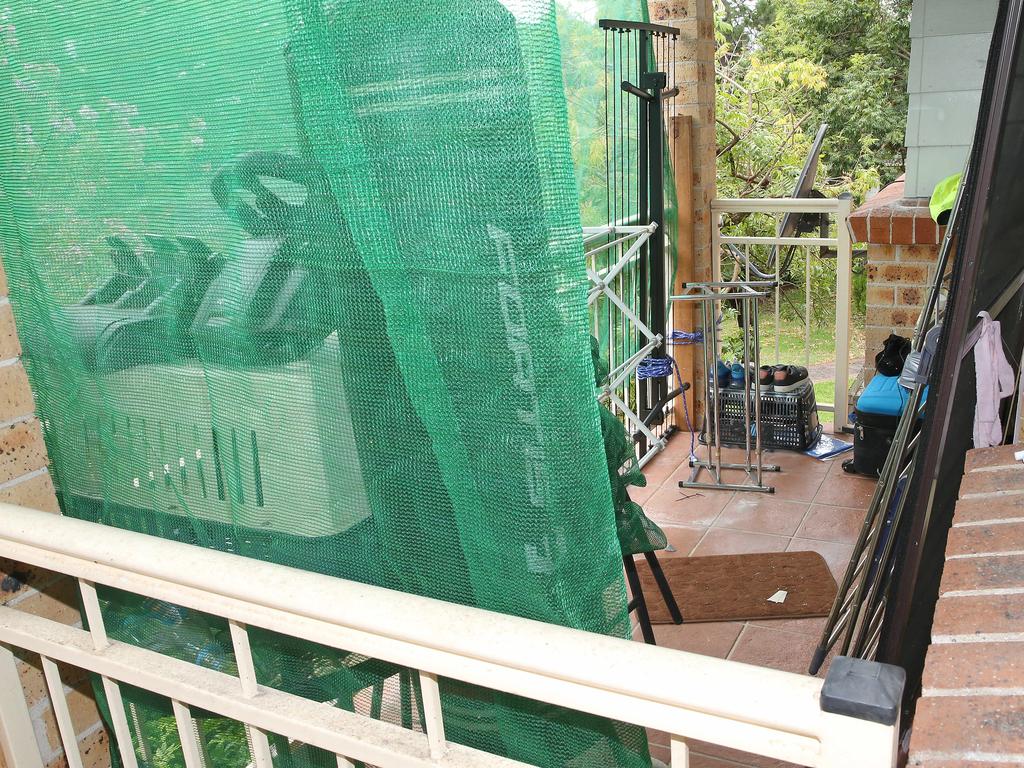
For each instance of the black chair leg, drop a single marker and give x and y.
(638, 603)
(663, 586)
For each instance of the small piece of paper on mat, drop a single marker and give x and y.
(779, 597)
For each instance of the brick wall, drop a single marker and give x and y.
(695, 76)
(903, 247)
(24, 480)
(972, 707)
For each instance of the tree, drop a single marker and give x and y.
(786, 66)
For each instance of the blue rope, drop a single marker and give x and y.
(656, 368)
(686, 337)
(661, 367)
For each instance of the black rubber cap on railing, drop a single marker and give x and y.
(867, 690)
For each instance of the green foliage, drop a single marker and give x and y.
(785, 67)
(224, 742)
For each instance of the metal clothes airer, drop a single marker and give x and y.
(746, 294)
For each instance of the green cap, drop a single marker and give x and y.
(943, 198)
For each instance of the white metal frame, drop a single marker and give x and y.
(839, 209)
(710, 296)
(627, 240)
(757, 710)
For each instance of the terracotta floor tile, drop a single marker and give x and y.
(661, 466)
(706, 761)
(731, 476)
(714, 756)
(674, 505)
(795, 485)
(676, 453)
(710, 639)
(682, 538)
(846, 491)
(661, 754)
(721, 541)
(728, 454)
(706, 755)
(679, 446)
(832, 524)
(698, 760)
(774, 648)
(837, 555)
(792, 461)
(708, 522)
(835, 466)
(810, 627)
(762, 513)
(827, 662)
(642, 494)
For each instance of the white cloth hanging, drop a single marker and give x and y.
(995, 380)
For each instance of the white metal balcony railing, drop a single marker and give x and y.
(762, 711)
(612, 257)
(839, 210)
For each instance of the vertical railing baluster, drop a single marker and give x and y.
(59, 702)
(18, 747)
(807, 307)
(844, 269)
(93, 615)
(118, 716)
(680, 753)
(190, 748)
(250, 687)
(432, 715)
(778, 303)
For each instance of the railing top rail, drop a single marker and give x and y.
(813, 242)
(781, 205)
(346, 614)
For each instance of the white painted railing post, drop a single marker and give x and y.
(434, 720)
(849, 719)
(860, 713)
(100, 641)
(258, 740)
(59, 702)
(679, 753)
(18, 748)
(840, 209)
(844, 275)
(190, 747)
(852, 743)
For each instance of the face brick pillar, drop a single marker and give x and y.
(903, 246)
(25, 481)
(695, 162)
(695, 75)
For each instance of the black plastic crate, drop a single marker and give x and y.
(789, 420)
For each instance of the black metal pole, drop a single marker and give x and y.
(647, 397)
(655, 82)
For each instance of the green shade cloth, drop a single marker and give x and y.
(637, 533)
(302, 280)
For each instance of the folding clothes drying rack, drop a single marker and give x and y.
(746, 293)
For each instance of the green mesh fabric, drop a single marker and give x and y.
(303, 280)
(637, 533)
(597, 110)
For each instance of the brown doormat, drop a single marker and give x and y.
(737, 587)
